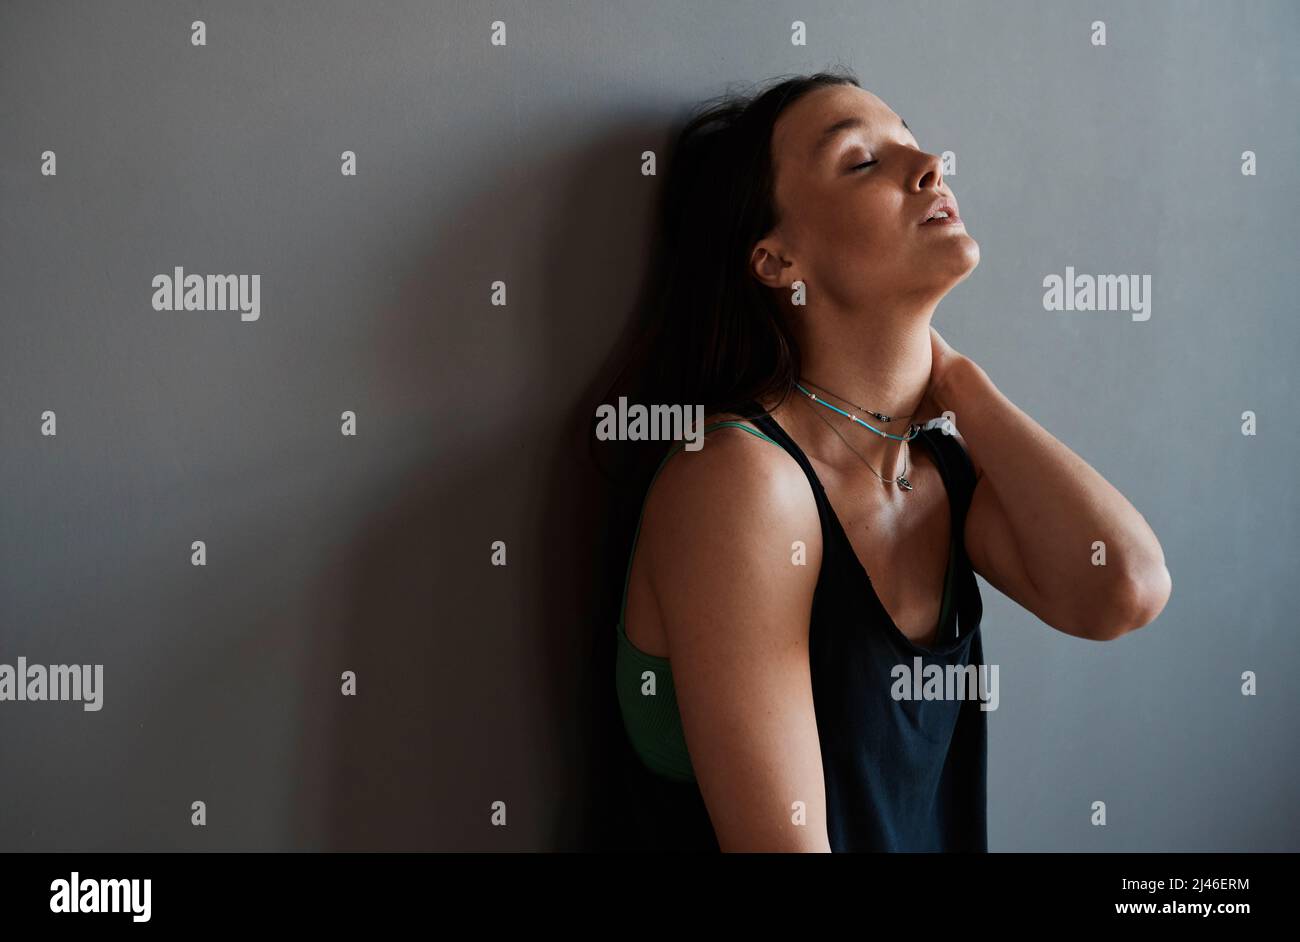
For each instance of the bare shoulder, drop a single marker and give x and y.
(735, 484)
(729, 527)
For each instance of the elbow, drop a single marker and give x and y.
(1138, 601)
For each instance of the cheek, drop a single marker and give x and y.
(869, 219)
(869, 238)
(846, 233)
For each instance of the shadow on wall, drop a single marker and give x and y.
(455, 710)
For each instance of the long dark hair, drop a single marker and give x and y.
(707, 332)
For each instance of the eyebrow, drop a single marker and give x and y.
(843, 124)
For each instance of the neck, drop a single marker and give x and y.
(881, 364)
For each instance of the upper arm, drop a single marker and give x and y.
(991, 548)
(994, 554)
(735, 608)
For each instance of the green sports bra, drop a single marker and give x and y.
(651, 719)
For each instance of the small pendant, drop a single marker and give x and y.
(903, 483)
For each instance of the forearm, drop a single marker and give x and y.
(1056, 506)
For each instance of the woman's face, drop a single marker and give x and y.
(853, 190)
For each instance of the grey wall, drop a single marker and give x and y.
(475, 163)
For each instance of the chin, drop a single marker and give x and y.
(966, 256)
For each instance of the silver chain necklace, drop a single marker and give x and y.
(901, 480)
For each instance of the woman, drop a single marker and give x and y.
(788, 579)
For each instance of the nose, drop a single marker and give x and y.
(929, 172)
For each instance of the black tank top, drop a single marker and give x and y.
(901, 774)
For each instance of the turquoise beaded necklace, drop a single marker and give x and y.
(912, 431)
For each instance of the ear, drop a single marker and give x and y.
(770, 267)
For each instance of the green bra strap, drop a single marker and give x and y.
(622, 609)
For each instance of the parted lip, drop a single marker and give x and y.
(947, 204)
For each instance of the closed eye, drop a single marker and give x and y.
(865, 163)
